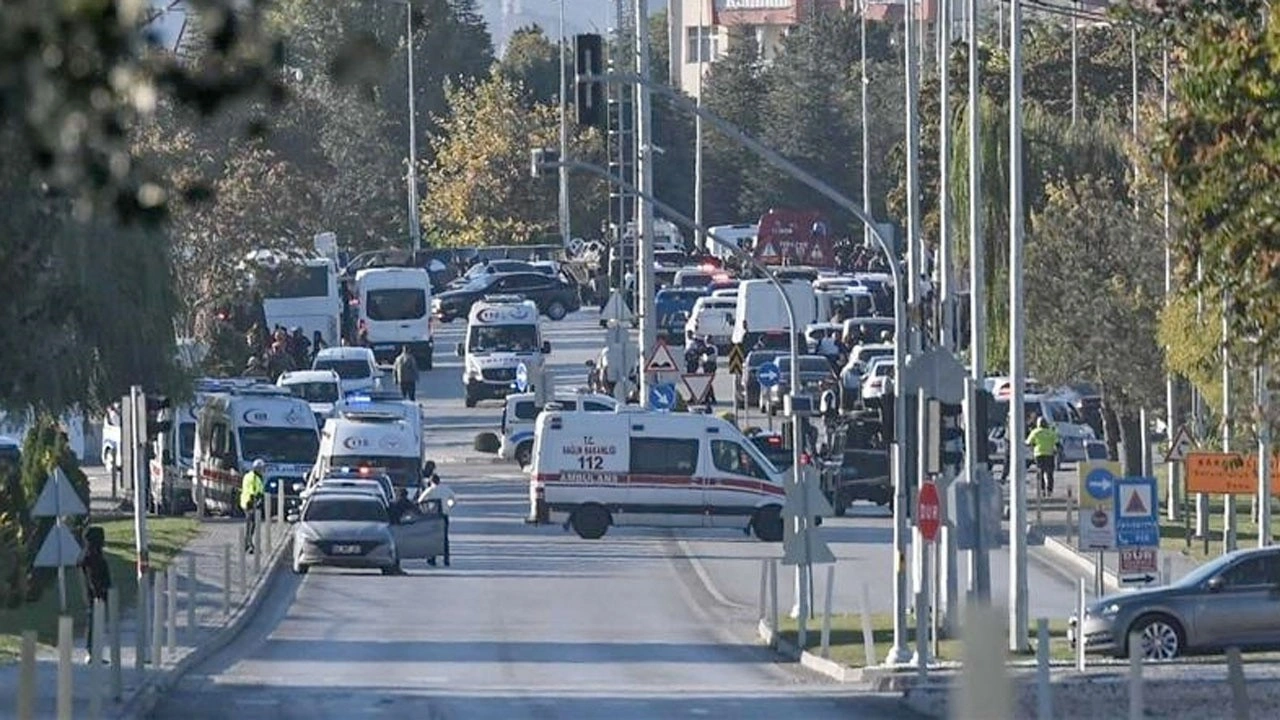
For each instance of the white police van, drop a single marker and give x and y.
(502, 333)
(521, 412)
(395, 304)
(633, 467)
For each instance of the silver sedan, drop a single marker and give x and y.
(344, 530)
(1231, 601)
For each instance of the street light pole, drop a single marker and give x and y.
(697, 123)
(565, 231)
(1017, 367)
(644, 218)
(415, 227)
(866, 124)
(979, 567)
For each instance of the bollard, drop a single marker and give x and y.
(984, 690)
(257, 550)
(1235, 680)
(157, 619)
(764, 590)
(192, 585)
(868, 635)
(95, 660)
(142, 622)
(773, 595)
(171, 616)
(280, 507)
(27, 677)
(113, 621)
(1135, 677)
(1168, 570)
(1080, 606)
(65, 644)
(226, 579)
(270, 536)
(1071, 524)
(826, 612)
(1044, 697)
(244, 570)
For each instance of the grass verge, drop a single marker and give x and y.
(167, 536)
(847, 647)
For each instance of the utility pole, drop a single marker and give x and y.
(697, 123)
(947, 567)
(1017, 367)
(644, 218)
(866, 124)
(415, 227)
(901, 652)
(1264, 452)
(1170, 389)
(1075, 65)
(1229, 502)
(565, 231)
(979, 560)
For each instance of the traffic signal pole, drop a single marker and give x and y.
(645, 290)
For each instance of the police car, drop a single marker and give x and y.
(521, 412)
(633, 467)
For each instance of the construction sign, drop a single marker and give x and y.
(1225, 473)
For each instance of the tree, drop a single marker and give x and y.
(1094, 290)
(734, 89)
(530, 62)
(480, 191)
(44, 449)
(1222, 152)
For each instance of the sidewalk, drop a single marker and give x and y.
(213, 626)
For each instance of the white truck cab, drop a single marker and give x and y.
(395, 310)
(594, 470)
(521, 412)
(502, 332)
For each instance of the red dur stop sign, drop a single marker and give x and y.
(928, 511)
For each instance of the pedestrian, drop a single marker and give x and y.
(97, 578)
(252, 491)
(317, 344)
(406, 374)
(1044, 447)
(439, 497)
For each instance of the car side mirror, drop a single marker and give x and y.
(462, 351)
(292, 517)
(546, 347)
(1215, 584)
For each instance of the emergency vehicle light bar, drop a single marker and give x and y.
(371, 415)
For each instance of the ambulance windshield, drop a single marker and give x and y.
(503, 338)
(280, 444)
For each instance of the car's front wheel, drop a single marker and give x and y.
(1161, 636)
(556, 310)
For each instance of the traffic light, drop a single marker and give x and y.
(588, 60)
(158, 418)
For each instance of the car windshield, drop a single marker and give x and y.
(295, 446)
(345, 509)
(1205, 571)
(503, 338)
(186, 440)
(315, 392)
(346, 369)
(405, 472)
(396, 304)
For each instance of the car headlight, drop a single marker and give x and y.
(1109, 610)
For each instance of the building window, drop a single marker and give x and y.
(700, 44)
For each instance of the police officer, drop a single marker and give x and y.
(252, 491)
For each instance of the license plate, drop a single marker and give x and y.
(346, 549)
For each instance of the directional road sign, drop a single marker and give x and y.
(1097, 498)
(928, 511)
(662, 360)
(769, 374)
(522, 378)
(1138, 565)
(736, 358)
(662, 397)
(1180, 446)
(1135, 513)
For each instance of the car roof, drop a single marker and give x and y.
(345, 494)
(344, 353)
(308, 376)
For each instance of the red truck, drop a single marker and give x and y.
(794, 237)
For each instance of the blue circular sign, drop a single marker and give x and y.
(662, 397)
(522, 377)
(768, 374)
(1100, 483)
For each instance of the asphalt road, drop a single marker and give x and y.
(530, 622)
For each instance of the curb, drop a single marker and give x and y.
(1065, 552)
(830, 668)
(145, 698)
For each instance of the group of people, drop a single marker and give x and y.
(281, 352)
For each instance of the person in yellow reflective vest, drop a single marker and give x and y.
(1044, 448)
(252, 490)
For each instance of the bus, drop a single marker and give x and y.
(304, 293)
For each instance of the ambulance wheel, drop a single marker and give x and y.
(590, 521)
(524, 453)
(767, 524)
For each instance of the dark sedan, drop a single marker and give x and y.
(554, 297)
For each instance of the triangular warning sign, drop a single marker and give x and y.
(769, 251)
(662, 360)
(698, 385)
(58, 498)
(59, 549)
(816, 254)
(1180, 446)
(1135, 506)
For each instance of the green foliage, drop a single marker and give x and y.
(734, 89)
(45, 448)
(530, 63)
(1222, 152)
(13, 551)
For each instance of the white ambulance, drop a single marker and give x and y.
(372, 439)
(594, 470)
(502, 333)
(245, 424)
(395, 305)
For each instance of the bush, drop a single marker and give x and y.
(487, 442)
(46, 447)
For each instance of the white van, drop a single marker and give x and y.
(760, 309)
(742, 236)
(520, 414)
(502, 332)
(356, 367)
(594, 470)
(395, 304)
(712, 317)
(370, 439)
(1073, 432)
(320, 388)
(247, 423)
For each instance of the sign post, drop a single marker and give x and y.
(60, 549)
(768, 375)
(1137, 528)
(1096, 516)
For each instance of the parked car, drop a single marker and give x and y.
(816, 375)
(749, 388)
(554, 297)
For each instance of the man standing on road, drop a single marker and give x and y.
(440, 496)
(97, 577)
(252, 490)
(1044, 446)
(406, 374)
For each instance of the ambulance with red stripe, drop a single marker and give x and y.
(593, 470)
